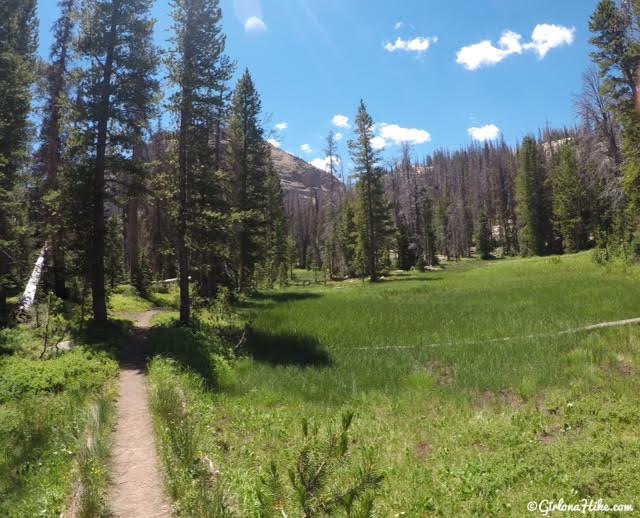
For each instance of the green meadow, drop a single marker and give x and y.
(464, 383)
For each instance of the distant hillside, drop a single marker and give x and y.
(299, 176)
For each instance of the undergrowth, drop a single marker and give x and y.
(55, 416)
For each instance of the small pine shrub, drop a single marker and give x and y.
(600, 255)
(142, 277)
(323, 480)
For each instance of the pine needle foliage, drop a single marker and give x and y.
(323, 480)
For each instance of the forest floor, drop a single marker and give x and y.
(136, 482)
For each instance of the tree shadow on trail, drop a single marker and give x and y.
(287, 350)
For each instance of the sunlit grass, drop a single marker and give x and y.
(55, 420)
(464, 423)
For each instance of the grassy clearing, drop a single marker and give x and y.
(125, 300)
(55, 419)
(472, 427)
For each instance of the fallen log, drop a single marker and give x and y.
(29, 294)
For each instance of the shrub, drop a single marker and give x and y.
(322, 481)
(600, 254)
(76, 371)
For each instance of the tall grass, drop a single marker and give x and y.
(92, 460)
(464, 423)
(54, 425)
(191, 477)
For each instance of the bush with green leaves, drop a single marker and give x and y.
(56, 417)
(78, 371)
(324, 481)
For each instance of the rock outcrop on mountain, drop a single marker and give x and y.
(300, 177)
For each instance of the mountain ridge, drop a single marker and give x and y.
(299, 176)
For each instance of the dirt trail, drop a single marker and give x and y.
(136, 484)
(593, 327)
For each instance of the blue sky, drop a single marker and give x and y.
(429, 70)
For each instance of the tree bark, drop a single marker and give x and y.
(133, 242)
(183, 180)
(53, 156)
(98, 291)
(373, 273)
(133, 205)
(183, 258)
(4, 310)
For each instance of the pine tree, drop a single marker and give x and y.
(330, 231)
(139, 89)
(199, 71)
(371, 210)
(248, 163)
(276, 236)
(18, 43)
(483, 237)
(115, 95)
(427, 233)
(568, 201)
(347, 236)
(51, 136)
(443, 231)
(617, 56)
(532, 203)
(404, 256)
(323, 481)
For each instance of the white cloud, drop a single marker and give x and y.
(419, 45)
(544, 38)
(484, 133)
(306, 148)
(338, 136)
(319, 163)
(398, 25)
(484, 53)
(254, 25)
(274, 142)
(398, 134)
(323, 163)
(340, 121)
(547, 36)
(282, 126)
(378, 143)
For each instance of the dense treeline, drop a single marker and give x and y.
(114, 200)
(116, 197)
(560, 191)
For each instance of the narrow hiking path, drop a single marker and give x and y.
(136, 489)
(592, 327)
